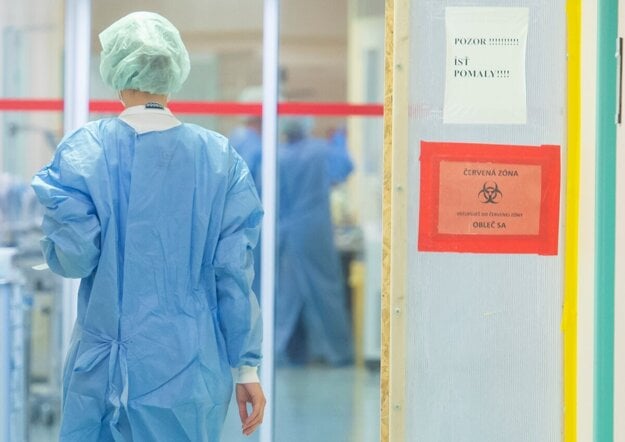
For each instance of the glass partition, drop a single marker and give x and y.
(31, 53)
(330, 371)
(331, 79)
(327, 331)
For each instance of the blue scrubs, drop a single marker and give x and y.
(160, 226)
(312, 320)
(340, 164)
(248, 143)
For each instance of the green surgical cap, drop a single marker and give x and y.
(143, 51)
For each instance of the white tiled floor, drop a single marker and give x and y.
(313, 404)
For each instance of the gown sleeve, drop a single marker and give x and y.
(238, 309)
(71, 245)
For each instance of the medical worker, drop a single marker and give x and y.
(312, 321)
(159, 219)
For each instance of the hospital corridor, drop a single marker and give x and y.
(312, 221)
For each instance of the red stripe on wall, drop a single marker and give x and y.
(205, 107)
(19, 105)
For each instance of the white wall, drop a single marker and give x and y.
(484, 341)
(366, 75)
(586, 260)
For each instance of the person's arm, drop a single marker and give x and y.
(71, 245)
(239, 313)
(339, 162)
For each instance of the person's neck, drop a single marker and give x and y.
(131, 97)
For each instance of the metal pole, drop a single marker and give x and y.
(76, 114)
(271, 38)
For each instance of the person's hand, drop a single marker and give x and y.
(253, 394)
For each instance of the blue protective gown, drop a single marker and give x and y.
(340, 164)
(312, 321)
(160, 227)
(249, 144)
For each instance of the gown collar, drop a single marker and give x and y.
(143, 119)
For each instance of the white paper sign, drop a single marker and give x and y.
(485, 65)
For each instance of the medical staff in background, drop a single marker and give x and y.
(246, 138)
(312, 321)
(159, 219)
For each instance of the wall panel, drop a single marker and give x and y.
(483, 331)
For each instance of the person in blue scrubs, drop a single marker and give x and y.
(312, 321)
(159, 220)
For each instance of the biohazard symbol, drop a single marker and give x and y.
(490, 193)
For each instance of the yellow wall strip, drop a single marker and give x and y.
(569, 317)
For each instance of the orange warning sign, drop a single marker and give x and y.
(489, 198)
